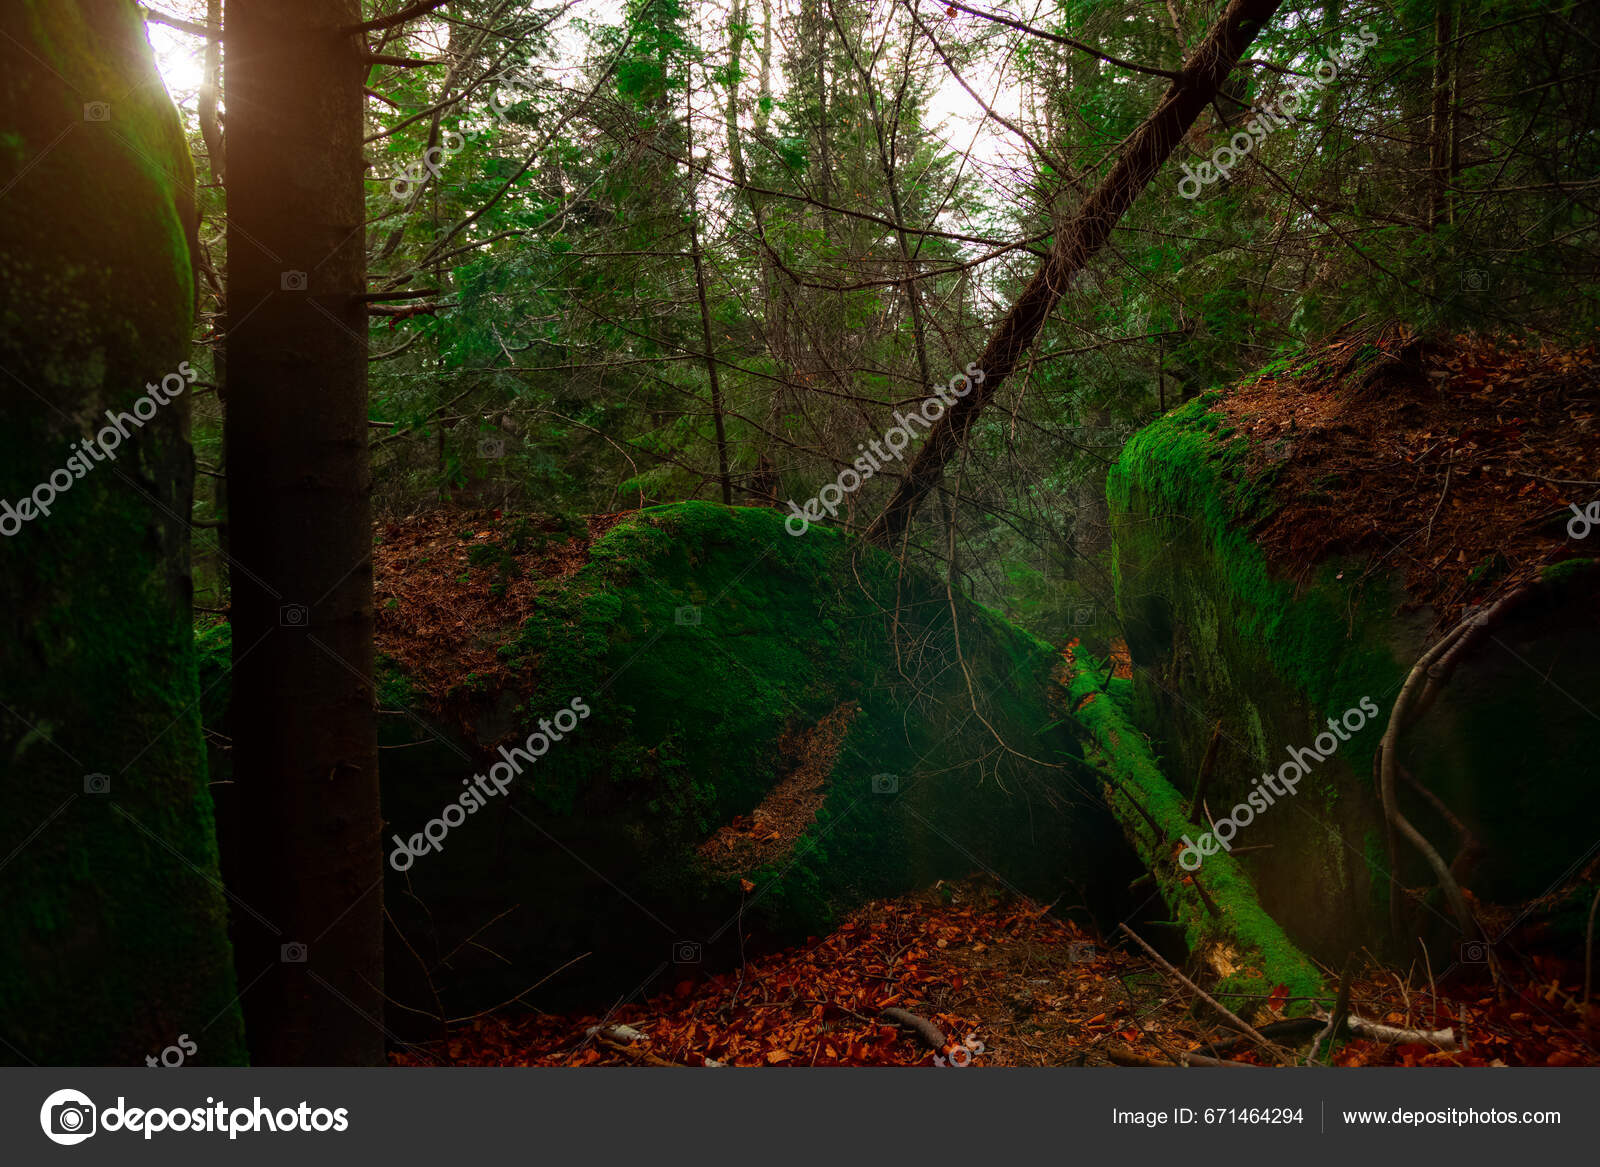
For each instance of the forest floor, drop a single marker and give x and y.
(1006, 983)
(1004, 979)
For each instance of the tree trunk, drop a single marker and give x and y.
(707, 337)
(210, 126)
(1441, 122)
(764, 79)
(736, 21)
(305, 750)
(1084, 234)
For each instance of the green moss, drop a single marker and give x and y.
(1176, 480)
(1219, 638)
(135, 159)
(1566, 570)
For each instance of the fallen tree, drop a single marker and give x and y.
(1191, 90)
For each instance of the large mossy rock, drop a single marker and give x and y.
(1258, 655)
(703, 640)
(708, 646)
(113, 936)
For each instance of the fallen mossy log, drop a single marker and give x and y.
(1227, 930)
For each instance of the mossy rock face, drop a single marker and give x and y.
(113, 934)
(1219, 636)
(703, 640)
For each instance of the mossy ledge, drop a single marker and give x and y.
(1224, 642)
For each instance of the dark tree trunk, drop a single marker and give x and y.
(707, 337)
(1078, 241)
(210, 126)
(305, 750)
(1441, 120)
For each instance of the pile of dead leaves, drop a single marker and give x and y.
(1533, 1014)
(1537, 1019)
(1002, 978)
(1457, 463)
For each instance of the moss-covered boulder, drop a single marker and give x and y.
(113, 926)
(1280, 571)
(726, 732)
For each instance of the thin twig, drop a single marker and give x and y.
(1232, 1018)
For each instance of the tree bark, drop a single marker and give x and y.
(210, 126)
(764, 80)
(1084, 234)
(305, 745)
(736, 23)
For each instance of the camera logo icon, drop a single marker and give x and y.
(1475, 280)
(686, 952)
(961, 1055)
(97, 784)
(1083, 614)
(1080, 952)
(1474, 952)
(294, 616)
(293, 953)
(67, 1117)
(294, 281)
(97, 111)
(687, 616)
(886, 784)
(492, 448)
